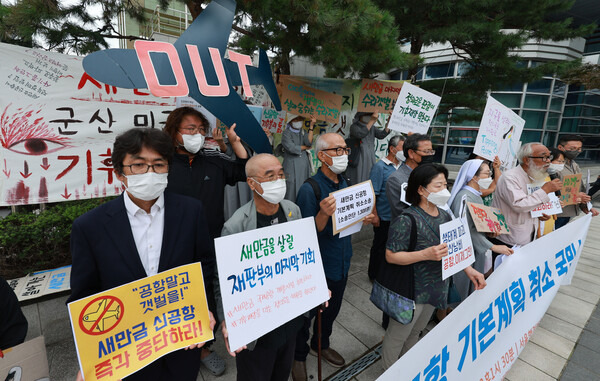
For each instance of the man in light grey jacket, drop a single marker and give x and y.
(271, 356)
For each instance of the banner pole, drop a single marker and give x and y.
(319, 348)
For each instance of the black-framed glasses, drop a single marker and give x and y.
(339, 150)
(272, 177)
(141, 168)
(544, 158)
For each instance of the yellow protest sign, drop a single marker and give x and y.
(119, 331)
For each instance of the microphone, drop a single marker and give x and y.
(552, 177)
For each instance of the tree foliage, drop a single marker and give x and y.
(485, 34)
(587, 75)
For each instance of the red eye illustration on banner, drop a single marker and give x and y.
(25, 133)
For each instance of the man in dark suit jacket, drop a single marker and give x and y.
(142, 232)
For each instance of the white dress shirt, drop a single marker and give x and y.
(147, 231)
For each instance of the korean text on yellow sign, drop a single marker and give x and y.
(120, 331)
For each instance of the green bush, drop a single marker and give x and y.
(31, 240)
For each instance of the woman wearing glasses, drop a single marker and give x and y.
(203, 174)
(296, 158)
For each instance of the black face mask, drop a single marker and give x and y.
(571, 155)
(426, 159)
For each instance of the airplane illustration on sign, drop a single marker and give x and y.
(100, 314)
(194, 66)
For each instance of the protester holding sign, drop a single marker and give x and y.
(426, 192)
(488, 194)
(512, 196)
(417, 150)
(141, 233)
(314, 200)
(556, 165)
(572, 145)
(473, 177)
(203, 174)
(270, 357)
(296, 158)
(363, 129)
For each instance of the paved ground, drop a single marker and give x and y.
(565, 346)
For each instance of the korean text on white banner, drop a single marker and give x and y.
(482, 338)
(58, 126)
(269, 276)
(352, 205)
(499, 134)
(460, 248)
(414, 110)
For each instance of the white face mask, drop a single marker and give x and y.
(297, 124)
(400, 156)
(339, 164)
(555, 168)
(439, 198)
(147, 186)
(193, 143)
(485, 183)
(273, 191)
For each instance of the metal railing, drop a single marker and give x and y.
(172, 22)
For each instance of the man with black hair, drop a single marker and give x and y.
(572, 146)
(417, 150)
(141, 233)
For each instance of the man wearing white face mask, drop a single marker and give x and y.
(314, 200)
(271, 356)
(141, 233)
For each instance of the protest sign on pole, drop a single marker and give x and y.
(378, 95)
(269, 276)
(119, 331)
(570, 189)
(483, 337)
(488, 219)
(414, 110)
(299, 99)
(352, 205)
(499, 134)
(26, 361)
(460, 248)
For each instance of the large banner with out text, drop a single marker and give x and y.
(269, 276)
(486, 333)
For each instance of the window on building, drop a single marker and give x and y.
(541, 86)
(509, 100)
(533, 119)
(536, 101)
(439, 71)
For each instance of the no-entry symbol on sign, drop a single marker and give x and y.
(101, 315)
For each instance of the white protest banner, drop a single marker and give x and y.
(352, 205)
(482, 338)
(460, 247)
(414, 110)
(499, 134)
(58, 126)
(269, 276)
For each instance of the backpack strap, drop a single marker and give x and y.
(413, 232)
(316, 188)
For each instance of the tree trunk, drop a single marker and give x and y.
(194, 7)
(415, 49)
(284, 61)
